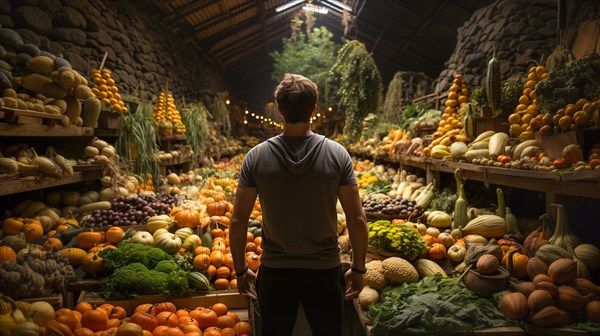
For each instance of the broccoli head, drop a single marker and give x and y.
(150, 282)
(123, 279)
(136, 267)
(166, 266)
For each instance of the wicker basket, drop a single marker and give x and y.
(375, 253)
(375, 216)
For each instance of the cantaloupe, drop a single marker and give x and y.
(83, 92)
(53, 90)
(10, 102)
(41, 64)
(9, 93)
(21, 104)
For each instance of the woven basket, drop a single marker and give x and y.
(375, 253)
(375, 216)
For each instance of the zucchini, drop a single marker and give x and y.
(89, 208)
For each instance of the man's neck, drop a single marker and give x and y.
(297, 129)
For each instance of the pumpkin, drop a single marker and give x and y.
(516, 263)
(33, 230)
(548, 287)
(219, 246)
(66, 317)
(253, 261)
(159, 222)
(87, 240)
(166, 318)
(51, 243)
(83, 332)
(429, 239)
(144, 320)
(592, 311)
(487, 264)
(433, 231)
(92, 263)
(185, 217)
(228, 332)
(439, 219)
(243, 328)
(229, 260)
(456, 253)
(201, 261)
(234, 316)
(446, 239)
(217, 258)
(40, 312)
(164, 306)
(206, 318)
(212, 331)
(94, 320)
(146, 308)
(143, 237)
(219, 308)
(475, 239)
(118, 313)
(12, 226)
(55, 328)
(536, 266)
(158, 331)
(7, 254)
(514, 306)
(526, 287)
(570, 299)
(437, 251)
(551, 316)
(223, 272)
(187, 320)
(114, 234)
(172, 331)
(130, 329)
(549, 253)
(563, 271)
(225, 321)
(67, 221)
(217, 208)
(217, 232)
(539, 299)
(221, 284)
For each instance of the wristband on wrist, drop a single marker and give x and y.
(356, 270)
(242, 272)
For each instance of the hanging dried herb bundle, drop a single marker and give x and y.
(195, 118)
(360, 90)
(137, 142)
(215, 103)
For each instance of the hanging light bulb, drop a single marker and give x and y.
(227, 102)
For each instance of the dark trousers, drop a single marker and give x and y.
(281, 290)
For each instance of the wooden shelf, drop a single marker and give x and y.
(581, 183)
(30, 183)
(105, 132)
(174, 162)
(172, 137)
(31, 130)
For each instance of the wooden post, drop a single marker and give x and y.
(103, 61)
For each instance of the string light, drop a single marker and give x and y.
(227, 102)
(246, 112)
(330, 109)
(318, 114)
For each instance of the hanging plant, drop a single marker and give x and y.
(195, 118)
(360, 91)
(215, 103)
(137, 142)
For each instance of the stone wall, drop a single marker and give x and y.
(141, 54)
(520, 30)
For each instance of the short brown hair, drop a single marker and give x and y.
(296, 98)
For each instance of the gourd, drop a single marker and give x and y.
(539, 299)
(514, 306)
(562, 233)
(130, 329)
(92, 263)
(426, 267)
(432, 231)
(191, 242)
(493, 87)
(516, 263)
(536, 266)
(437, 251)
(570, 299)
(460, 205)
(582, 269)
(592, 311)
(456, 253)
(183, 233)
(563, 271)
(549, 253)
(159, 222)
(446, 239)
(487, 264)
(526, 287)
(458, 149)
(198, 280)
(74, 254)
(439, 219)
(168, 242)
(488, 226)
(497, 143)
(551, 316)
(91, 111)
(539, 236)
(185, 217)
(142, 237)
(87, 240)
(585, 286)
(589, 254)
(25, 329)
(8, 166)
(549, 287)
(511, 222)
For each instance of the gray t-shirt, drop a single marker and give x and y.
(297, 179)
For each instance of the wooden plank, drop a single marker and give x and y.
(32, 183)
(172, 137)
(105, 132)
(44, 130)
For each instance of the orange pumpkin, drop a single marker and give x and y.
(217, 208)
(219, 246)
(114, 234)
(87, 240)
(250, 247)
(66, 221)
(94, 320)
(430, 240)
(118, 313)
(225, 321)
(228, 332)
(253, 261)
(234, 316)
(52, 243)
(82, 332)
(207, 318)
(201, 250)
(185, 320)
(113, 323)
(243, 328)
(55, 328)
(185, 217)
(217, 258)
(437, 251)
(7, 254)
(158, 331)
(144, 320)
(83, 306)
(217, 233)
(166, 318)
(66, 317)
(33, 230)
(190, 327)
(172, 331)
(92, 263)
(517, 266)
(223, 272)
(146, 308)
(201, 261)
(219, 308)
(12, 226)
(221, 283)
(211, 270)
(229, 260)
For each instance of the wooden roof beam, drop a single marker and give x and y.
(184, 11)
(225, 16)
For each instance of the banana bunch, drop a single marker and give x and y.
(106, 90)
(521, 122)
(166, 111)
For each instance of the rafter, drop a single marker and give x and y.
(223, 17)
(182, 12)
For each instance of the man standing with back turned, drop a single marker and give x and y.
(299, 176)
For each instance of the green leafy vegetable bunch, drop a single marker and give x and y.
(397, 239)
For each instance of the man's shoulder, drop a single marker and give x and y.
(334, 145)
(259, 148)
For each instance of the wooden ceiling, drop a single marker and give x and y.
(236, 36)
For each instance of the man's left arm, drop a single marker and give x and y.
(238, 227)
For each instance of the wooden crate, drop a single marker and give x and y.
(109, 119)
(56, 302)
(18, 116)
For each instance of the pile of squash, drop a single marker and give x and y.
(45, 83)
(167, 116)
(22, 318)
(107, 91)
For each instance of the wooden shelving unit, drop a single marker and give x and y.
(31, 130)
(33, 183)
